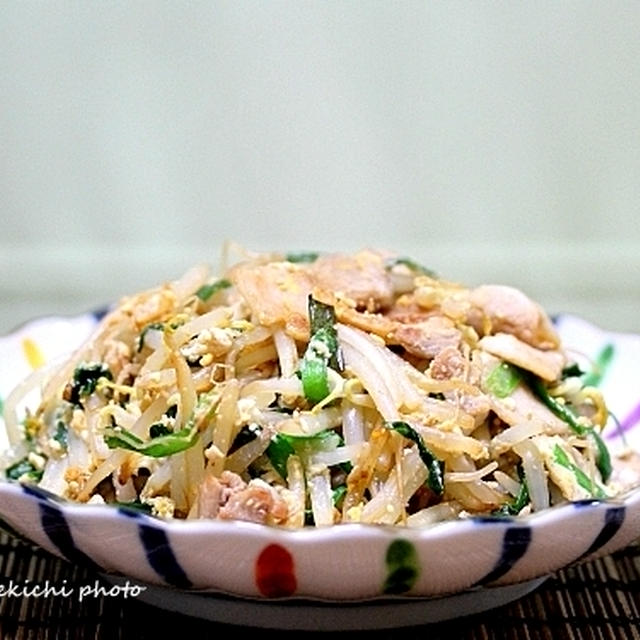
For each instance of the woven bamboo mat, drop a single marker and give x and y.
(590, 601)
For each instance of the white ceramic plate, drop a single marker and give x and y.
(348, 576)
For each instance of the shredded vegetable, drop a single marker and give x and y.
(312, 389)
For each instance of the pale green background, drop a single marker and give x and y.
(492, 141)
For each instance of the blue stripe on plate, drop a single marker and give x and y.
(42, 494)
(586, 502)
(613, 519)
(515, 543)
(100, 313)
(492, 519)
(56, 528)
(159, 553)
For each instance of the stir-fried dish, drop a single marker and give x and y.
(309, 390)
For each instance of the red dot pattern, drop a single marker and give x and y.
(275, 572)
